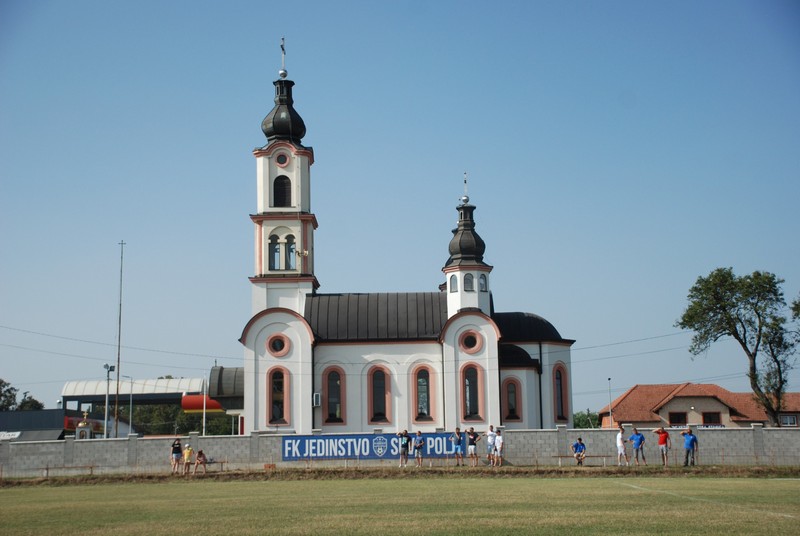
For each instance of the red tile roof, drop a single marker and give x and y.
(640, 403)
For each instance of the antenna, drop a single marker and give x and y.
(465, 197)
(282, 73)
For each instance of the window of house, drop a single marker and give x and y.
(274, 253)
(424, 395)
(278, 397)
(333, 410)
(482, 283)
(291, 256)
(712, 417)
(379, 394)
(470, 389)
(469, 283)
(282, 191)
(788, 420)
(677, 419)
(453, 283)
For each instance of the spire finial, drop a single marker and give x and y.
(282, 73)
(465, 197)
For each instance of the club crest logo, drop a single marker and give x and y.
(380, 445)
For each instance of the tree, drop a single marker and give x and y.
(585, 419)
(29, 403)
(750, 310)
(8, 396)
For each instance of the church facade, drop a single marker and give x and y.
(366, 362)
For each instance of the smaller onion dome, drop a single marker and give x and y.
(466, 247)
(283, 122)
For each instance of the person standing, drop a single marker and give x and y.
(175, 455)
(690, 446)
(664, 444)
(456, 439)
(637, 440)
(621, 452)
(579, 451)
(187, 458)
(498, 449)
(490, 437)
(405, 443)
(472, 444)
(419, 444)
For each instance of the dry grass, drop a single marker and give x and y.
(384, 501)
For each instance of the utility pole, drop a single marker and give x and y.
(119, 339)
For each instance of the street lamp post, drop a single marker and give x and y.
(130, 405)
(610, 415)
(109, 370)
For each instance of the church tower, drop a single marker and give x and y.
(467, 274)
(284, 224)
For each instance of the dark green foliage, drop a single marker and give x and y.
(750, 310)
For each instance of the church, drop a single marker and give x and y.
(378, 362)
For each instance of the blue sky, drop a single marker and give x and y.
(616, 151)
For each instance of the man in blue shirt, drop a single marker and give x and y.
(690, 447)
(579, 451)
(638, 446)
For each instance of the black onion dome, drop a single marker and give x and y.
(466, 246)
(283, 122)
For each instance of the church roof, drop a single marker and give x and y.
(399, 316)
(384, 316)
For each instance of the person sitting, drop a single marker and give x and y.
(200, 459)
(579, 451)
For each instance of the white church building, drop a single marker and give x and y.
(366, 362)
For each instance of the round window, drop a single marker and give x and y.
(471, 342)
(282, 159)
(278, 345)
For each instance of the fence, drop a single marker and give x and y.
(134, 455)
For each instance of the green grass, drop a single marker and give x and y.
(468, 505)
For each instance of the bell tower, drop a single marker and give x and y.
(284, 224)
(467, 284)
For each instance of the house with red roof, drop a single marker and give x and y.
(692, 404)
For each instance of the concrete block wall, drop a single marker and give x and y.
(728, 446)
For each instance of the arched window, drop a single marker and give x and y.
(423, 395)
(274, 253)
(379, 391)
(278, 383)
(471, 393)
(453, 283)
(511, 402)
(560, 404)
(482, 283)
(333, 410)
(291, 257)
(282, 192)
(469, 283)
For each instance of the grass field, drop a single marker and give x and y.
(468, 505)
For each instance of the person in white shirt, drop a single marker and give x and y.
(490, 437)
(622, 453)
(498, 449)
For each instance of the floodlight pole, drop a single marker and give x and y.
(130, 405)
(205, 394)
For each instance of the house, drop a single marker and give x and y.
(388, 361)
(677, 405)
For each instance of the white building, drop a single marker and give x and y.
(392, 361)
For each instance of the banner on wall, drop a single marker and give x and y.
(364, 446)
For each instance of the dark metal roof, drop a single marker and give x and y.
(512, 356)
(377, 316)
(526, 327)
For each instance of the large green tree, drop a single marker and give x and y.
(585, 419)
(8, 396)
(750, 309)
